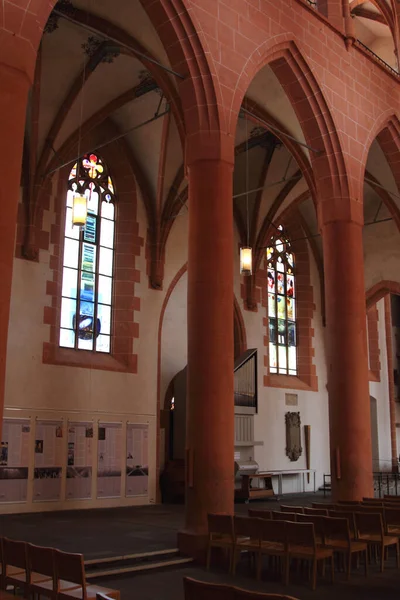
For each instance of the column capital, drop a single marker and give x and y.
(209, 146)
(346, 210)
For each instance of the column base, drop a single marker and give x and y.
(193, 544)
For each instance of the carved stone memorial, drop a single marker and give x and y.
(293, 436)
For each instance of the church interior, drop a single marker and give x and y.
(200, 298)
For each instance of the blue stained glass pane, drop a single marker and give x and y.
(292, 334)
(272, 331)
(90, 230)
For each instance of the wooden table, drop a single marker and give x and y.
(248, 492)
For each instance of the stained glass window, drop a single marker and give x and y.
(87, 281)
(281, 305)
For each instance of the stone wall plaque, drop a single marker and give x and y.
(293, 436)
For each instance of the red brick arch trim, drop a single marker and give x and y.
(380, 290)
(287, 62)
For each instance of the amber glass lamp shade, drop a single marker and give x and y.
(79, 210)
(246, 260)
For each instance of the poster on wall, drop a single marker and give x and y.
(79, 461)
(48, 461)
(109, 455)
(14, 460)
(137, 459)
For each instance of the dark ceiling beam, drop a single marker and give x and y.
(368, 14)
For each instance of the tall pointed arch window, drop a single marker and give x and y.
(87, 279)
(281, 305)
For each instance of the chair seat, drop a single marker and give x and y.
(272, 547)
(355, 546)
(35, 578)
(11, 571)
(393, 530)
(63, 585)
(221, 543)
(320, 552)
(91, 591)
(387, 540)
(248, 544)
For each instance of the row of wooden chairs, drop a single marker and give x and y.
(46, 572)
(379, 526)
(284, 540)
(198, 590)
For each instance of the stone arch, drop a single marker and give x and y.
(380, 290)
(287, 61)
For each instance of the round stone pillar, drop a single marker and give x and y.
(210, 402)
(348, 376)
(13, 96)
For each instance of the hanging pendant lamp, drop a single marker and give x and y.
(246, 260)
(79, 210)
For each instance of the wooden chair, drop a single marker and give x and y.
(346, 514)
(283, 516)
(377, 501)
(316, 511)
(15, 565)
(392, 520)
(349, 502)
(273, 541)
(301, 543)
(318, 522)
(260, 514)
(337, 537)
(292, 509)
(199, 590)
(220, 535)
(43, 572)
(246, 537)
(71, 580)
(391, 497)
(369, 528)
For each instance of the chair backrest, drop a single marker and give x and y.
(336, 528)
(41, 560)
(283, 516)
(392, 498)
(260, 514)
(315, 511)
(198, 590)
(15, 554)
(300, 534)
(349, 502)
(70, 567)
(220, 524)
(329, 506)
(272, 531)
(240, 594)
(342, 514)
(292, 509)
(317, 520)
(392, 516)
(246, 526)
(368, 523)
(101, 596)
(378, 501)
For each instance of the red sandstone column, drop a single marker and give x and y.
(392, 401)
(348, 386)
(210, 404)
(13, 93)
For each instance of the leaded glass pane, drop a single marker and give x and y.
(292, 334)
(105, 289)
(290, 286)
(271, 305)
(90, 230)
(107, 233)
(281, 331)
(85, 344)
(70, 282)
(280, 265)
(70, 231)
(281, 307)
(103, 343)
(281, 283)
(271, 281)
(70, 199)
(68, 309)
(272, 358)
(292, 360)
(291, 312)
(104, 318)
(67, 338)
(282, 358)
(88, 258)
(107, 210)
(71, 253)
(106, 261)
(93, 201)
(272, 331)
